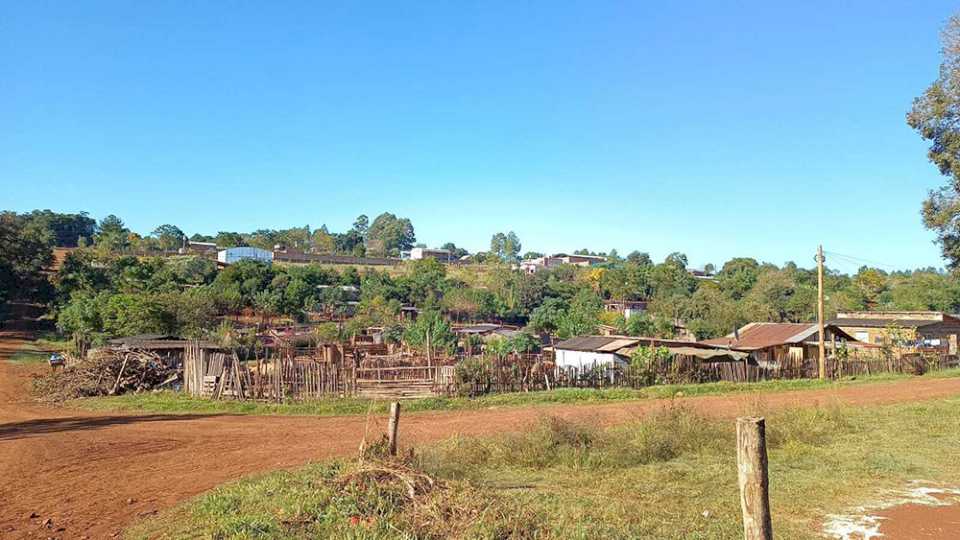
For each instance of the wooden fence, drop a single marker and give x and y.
(278, 378)
(400, 382)
(307, 374)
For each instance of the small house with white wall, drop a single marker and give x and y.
(586, 352)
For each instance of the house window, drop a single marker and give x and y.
(862, 336)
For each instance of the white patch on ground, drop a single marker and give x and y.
(861, 523)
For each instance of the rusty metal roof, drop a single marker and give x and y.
(762, 335)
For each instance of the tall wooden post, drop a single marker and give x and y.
(752, 477)
(392, 427)
(820, 346)
(429, 349)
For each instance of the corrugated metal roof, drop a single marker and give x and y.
(596, 343)
(883, 323)
(763, 335)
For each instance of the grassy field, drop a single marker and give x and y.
(176, 403)
(670, 475)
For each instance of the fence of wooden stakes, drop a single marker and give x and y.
(315, 373)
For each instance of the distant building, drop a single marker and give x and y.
(235, 254)
(625, 307)
(532, 266)
(442, 255)
(580, 260)
(198, 248)
(702, 274)
(924, 329)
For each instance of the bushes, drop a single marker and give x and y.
(473, 376)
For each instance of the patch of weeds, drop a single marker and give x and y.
(814, 426)
(557, 442)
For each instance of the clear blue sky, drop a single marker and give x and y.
(718, 129)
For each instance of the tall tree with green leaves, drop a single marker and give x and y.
(506, 246)
(24, 253)
(388, 235)
(935, 115)
(170, 237)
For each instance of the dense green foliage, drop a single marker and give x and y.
(25, 251)
(936, 117)
(114, 295)
(103, 290)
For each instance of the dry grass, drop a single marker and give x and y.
(669, 475)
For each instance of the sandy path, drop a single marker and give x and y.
(92, 474)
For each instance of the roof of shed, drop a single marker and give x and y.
(762, 335)
(883, 323)
(606, 344)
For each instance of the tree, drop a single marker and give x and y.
(936, 117)
(24, 253)
(637, 257)
(738, 276)
(56, 229)
(548, 316)
(361, 225)
(388, 235)
(170, 237)
(455, 252)
(430, 331)
(112, 235)
(323, 241)
(225, 239)
(506, 246)
(582, 317)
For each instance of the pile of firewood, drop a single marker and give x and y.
(107, 372)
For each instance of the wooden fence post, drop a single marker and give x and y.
(752, 476)
(393, 426)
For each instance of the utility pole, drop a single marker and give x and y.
(820, 345)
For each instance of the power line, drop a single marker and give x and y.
(852, 259)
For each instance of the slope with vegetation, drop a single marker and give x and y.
(105, 290)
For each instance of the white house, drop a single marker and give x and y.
(234, 254)
(587, 352)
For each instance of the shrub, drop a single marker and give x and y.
(473, 376)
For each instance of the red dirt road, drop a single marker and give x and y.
(92, 474)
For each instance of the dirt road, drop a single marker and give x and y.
(68, 474)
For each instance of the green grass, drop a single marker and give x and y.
(37, 351)
(669, 475)
(30, 353)
(176, 403)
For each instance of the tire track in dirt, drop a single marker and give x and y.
(92, 474)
